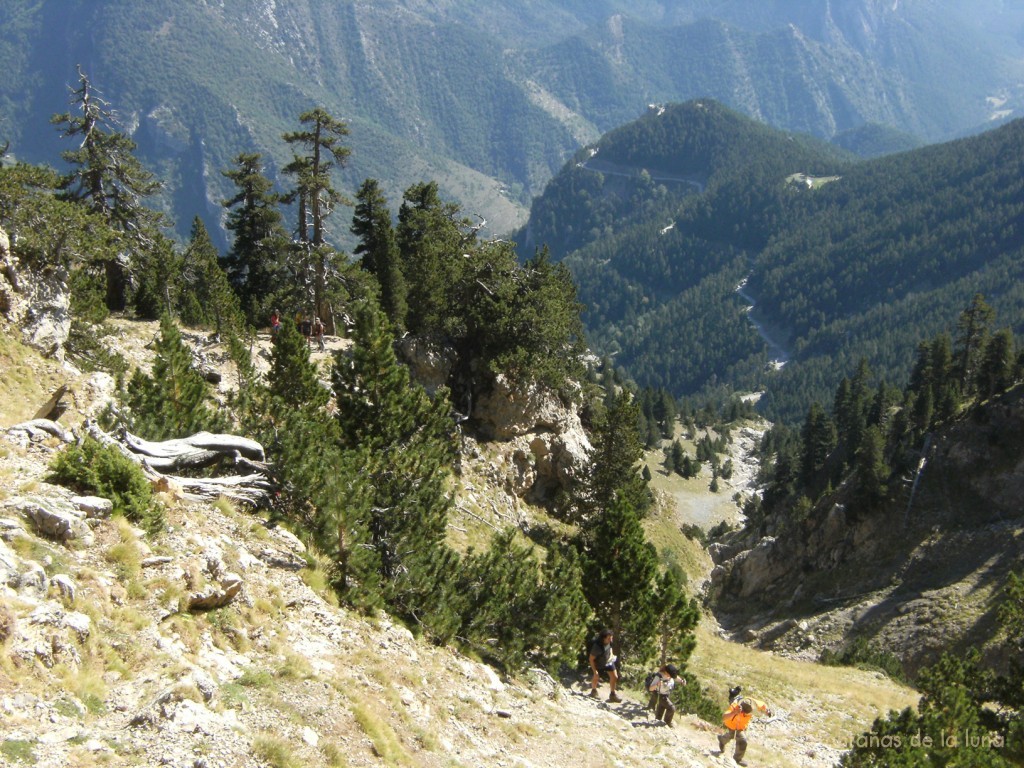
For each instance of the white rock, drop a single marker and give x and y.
(65, 585)
(93, 506)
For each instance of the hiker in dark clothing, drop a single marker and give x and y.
(603, 660)
(661, 689)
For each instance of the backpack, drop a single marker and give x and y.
(649, 680)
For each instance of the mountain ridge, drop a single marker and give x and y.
(871, 257)
(520, 92)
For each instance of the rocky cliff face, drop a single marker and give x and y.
(916, 578)
(37, 303)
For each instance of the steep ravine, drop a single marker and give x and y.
(917, 579)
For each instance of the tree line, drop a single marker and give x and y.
(365, 466)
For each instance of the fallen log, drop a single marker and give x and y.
(200, 450)
(36, 428)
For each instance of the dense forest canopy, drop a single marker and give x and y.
(662, 219)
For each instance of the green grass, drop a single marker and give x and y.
(19, 751)
(385, 741)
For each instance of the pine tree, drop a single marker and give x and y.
(972, 334)
(620, 568)
(378, 246)
(665, 412)
(818, 439)
(405, 443)
(173, 401)
(500, 586)
(677, 618)
(995, 373)
(257, 257)
(615, 461)
(870, 468)
(852, 404)
(206, 297)
(326, 494)
(562, 611)
(320, 139)
(431, 241)
(158, 270)
(107, 179)
(294, 379)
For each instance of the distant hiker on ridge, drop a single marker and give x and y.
(318, 333)
(736, 719)
(602, 660)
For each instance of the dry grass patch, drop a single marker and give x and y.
(386, 743)
(275, 751)
(28, 381)
(828, 705)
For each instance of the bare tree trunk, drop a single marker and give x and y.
(202, 449)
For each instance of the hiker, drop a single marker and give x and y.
(661, 688)
(736, 719)
(306, 328)
(275, 323)
(318, 333)
(602, 659)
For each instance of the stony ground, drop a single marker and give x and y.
(100, 665)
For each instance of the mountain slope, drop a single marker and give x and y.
(486, 98)
(920, 575)
(101, 665)
(843, 259)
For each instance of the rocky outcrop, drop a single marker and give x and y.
(545, 437)
(913, 576)
(36, 301)
(429, 364)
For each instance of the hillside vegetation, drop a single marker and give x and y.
(864, 266)
(487, 100)
(283, 676)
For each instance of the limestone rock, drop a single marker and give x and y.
(429, 364)
(216, 596)
(36, 301)
(56, 521)
(511, 409)
(93, 506)
(549, 449)
(66, 586)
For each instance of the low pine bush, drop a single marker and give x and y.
(103, 470)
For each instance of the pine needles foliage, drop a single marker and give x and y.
(91, 467)
(172, 402)
(404, 441)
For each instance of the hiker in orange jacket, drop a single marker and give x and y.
(736, 719)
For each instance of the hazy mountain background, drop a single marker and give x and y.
(490, 98)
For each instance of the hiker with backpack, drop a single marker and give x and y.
(660, 685)
(736, 719)
(603, 661)
(318, 333)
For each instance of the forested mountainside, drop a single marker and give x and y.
(662, 219)
(444, 451)
(486, 99)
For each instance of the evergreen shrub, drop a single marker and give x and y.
(103, 470)
(863, 655)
